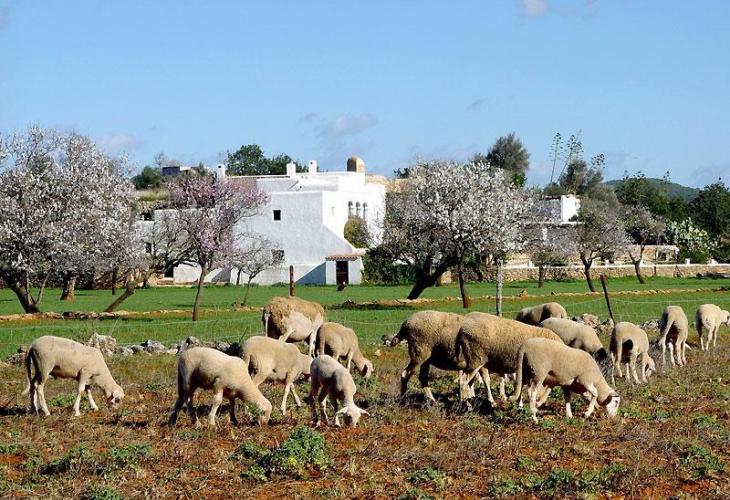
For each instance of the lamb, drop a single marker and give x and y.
(227, 376)
(341, 342)
(536, 314)
(330, 378)
(291, 319)
(542, 362)
(577, 335)
(487, 343)
(630, 343)
(673, 331)
(65, 358)
(269, 359)
(431, 337)
(710, 317)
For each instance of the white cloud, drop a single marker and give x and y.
(344, 125)
(534, 8)
(121, 143)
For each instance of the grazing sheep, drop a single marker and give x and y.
(227, 376)
(431, 337)
(330, 378)
(673, 331)
(291, 319)
(65, 358)
(577, 335)
(341, 342)
(630, 343)
(541, 362)
(489, 344)
(587, 319)
(710, 317)
(269, 359)
(536, 314)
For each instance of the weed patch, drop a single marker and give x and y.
(430, 476)
(700, 461)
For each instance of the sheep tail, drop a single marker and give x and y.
(698, 324)
(667, 327)
(518, 383)
(28, 372)
(265, 321)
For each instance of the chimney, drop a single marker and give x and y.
(220, 172)
(291, 169)
(312, 167)
(355, 164)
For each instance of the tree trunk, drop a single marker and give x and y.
(238, 279)
(462, 289)
(500, 281)
(128, 292)
(422, 282)
(637, 269)
(23, 293)
(587, 272)
(199, 293)
(69, 287)
(114, 281)
(540, 275)
(248, 288)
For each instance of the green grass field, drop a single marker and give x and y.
(670, 440)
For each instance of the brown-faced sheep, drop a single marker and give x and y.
(64, 358)
(630, 344)
(710, 317)
(542, 362)
(291, 319)
(340, 342)
(536, 314)
(673, 331)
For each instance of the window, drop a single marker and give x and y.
(365, 211)
(277, 255)
(277, 214)
(350, 210)
(358, 209)
(170, 272)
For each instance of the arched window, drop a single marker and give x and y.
(358, 209)
(365, 211)
(350, 209)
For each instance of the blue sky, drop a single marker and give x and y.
(647, 82)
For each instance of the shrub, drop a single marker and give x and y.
(356, 232)
(126, 456)
(429, 475)
(73, 459)
(700, 461)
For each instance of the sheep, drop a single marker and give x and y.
(710, 317)
(587, 319)
(535, 314)
(330, 378)
(487, 343)
(269, 359)
(65, 358)
(341, 342)
(431, 337)
(674, 329)
(630, 343)
(542, 362)
(291, 319)
(577, 335)
(227, 376)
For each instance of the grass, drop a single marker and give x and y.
(670, 439)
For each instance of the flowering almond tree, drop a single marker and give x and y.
(642, 228)
(61, 202)
(549, 245)
(206, 212)
(253, 259)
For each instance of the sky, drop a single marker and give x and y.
(645, 82)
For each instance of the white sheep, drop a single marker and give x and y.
(544, 363)
(536, 314)
(673, 331)
(227, 376)
(330, 378)
(291, 319)
(489, 344)
(269, 359)
(710, 317)
(341, 342)
(65, 358)
(630, 344)
(577, 335)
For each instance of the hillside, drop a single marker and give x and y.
(673, 189)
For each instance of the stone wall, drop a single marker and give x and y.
(519, 273)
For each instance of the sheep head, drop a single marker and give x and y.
(351, 414)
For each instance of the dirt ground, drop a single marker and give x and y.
(672, 440)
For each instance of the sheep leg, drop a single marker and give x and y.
(406, 376)
(323, 407)
(311, 399)
(663, 342)
(566, 395)
(92, 403)
(191, 409)
(33, 397)
(543, 396)
(349, 361)
(502, 394)
(296, 396)
(79, 393)
(336, 405)
(423, 378)
(484, 376)
(714, 336)
(232, 411)
(671, 353)
(634, 360)
(702, 341)
(534, 388)
(594, 399)
(287, 388)
(217, 400)
(684, 352)
(178, 404)
(41, 394)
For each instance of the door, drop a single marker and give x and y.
(341, 272)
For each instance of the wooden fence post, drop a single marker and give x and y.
(605, 294)
(291, 281)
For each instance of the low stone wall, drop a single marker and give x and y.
(613, 271)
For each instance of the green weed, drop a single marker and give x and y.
(429, 475)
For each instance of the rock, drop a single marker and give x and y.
(125, 351)
(523, 293)
(652, 324)
(221, 346)
(152, 346)
(171, 351)
(105, 343)
(136, 349)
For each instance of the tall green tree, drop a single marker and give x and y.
(250, 160)
(508, 153)
(148, 178)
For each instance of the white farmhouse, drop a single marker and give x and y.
(305, 219)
